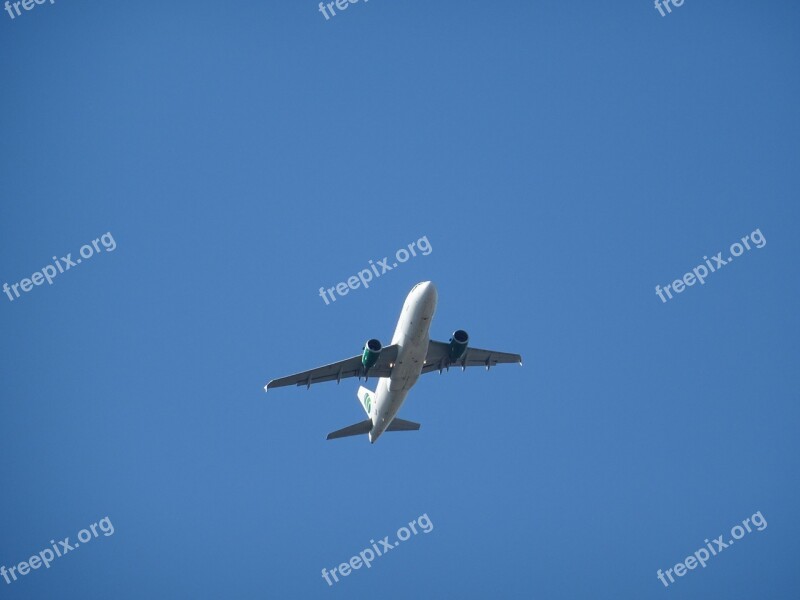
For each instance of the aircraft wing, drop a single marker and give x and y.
(350, 367)
(438, 357)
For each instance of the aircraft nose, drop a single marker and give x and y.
(428, 290)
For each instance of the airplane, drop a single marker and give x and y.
(398, 366)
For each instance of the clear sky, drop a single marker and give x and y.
(562, 159)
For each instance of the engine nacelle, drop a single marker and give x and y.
(458, 344)
(372, 350)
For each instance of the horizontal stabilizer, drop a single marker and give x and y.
(401, 425)
(357, 429)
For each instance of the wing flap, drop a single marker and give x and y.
(350, 367)
(438, 358)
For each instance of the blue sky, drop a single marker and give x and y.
(561, 158)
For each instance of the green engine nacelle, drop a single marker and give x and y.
(372, 350)
(458, 344)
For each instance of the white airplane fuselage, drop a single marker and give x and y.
(412, 337)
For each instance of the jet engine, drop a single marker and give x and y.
(372, 350)
(458, 344)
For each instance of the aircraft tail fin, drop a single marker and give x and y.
(367, 398)
(357, 429)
